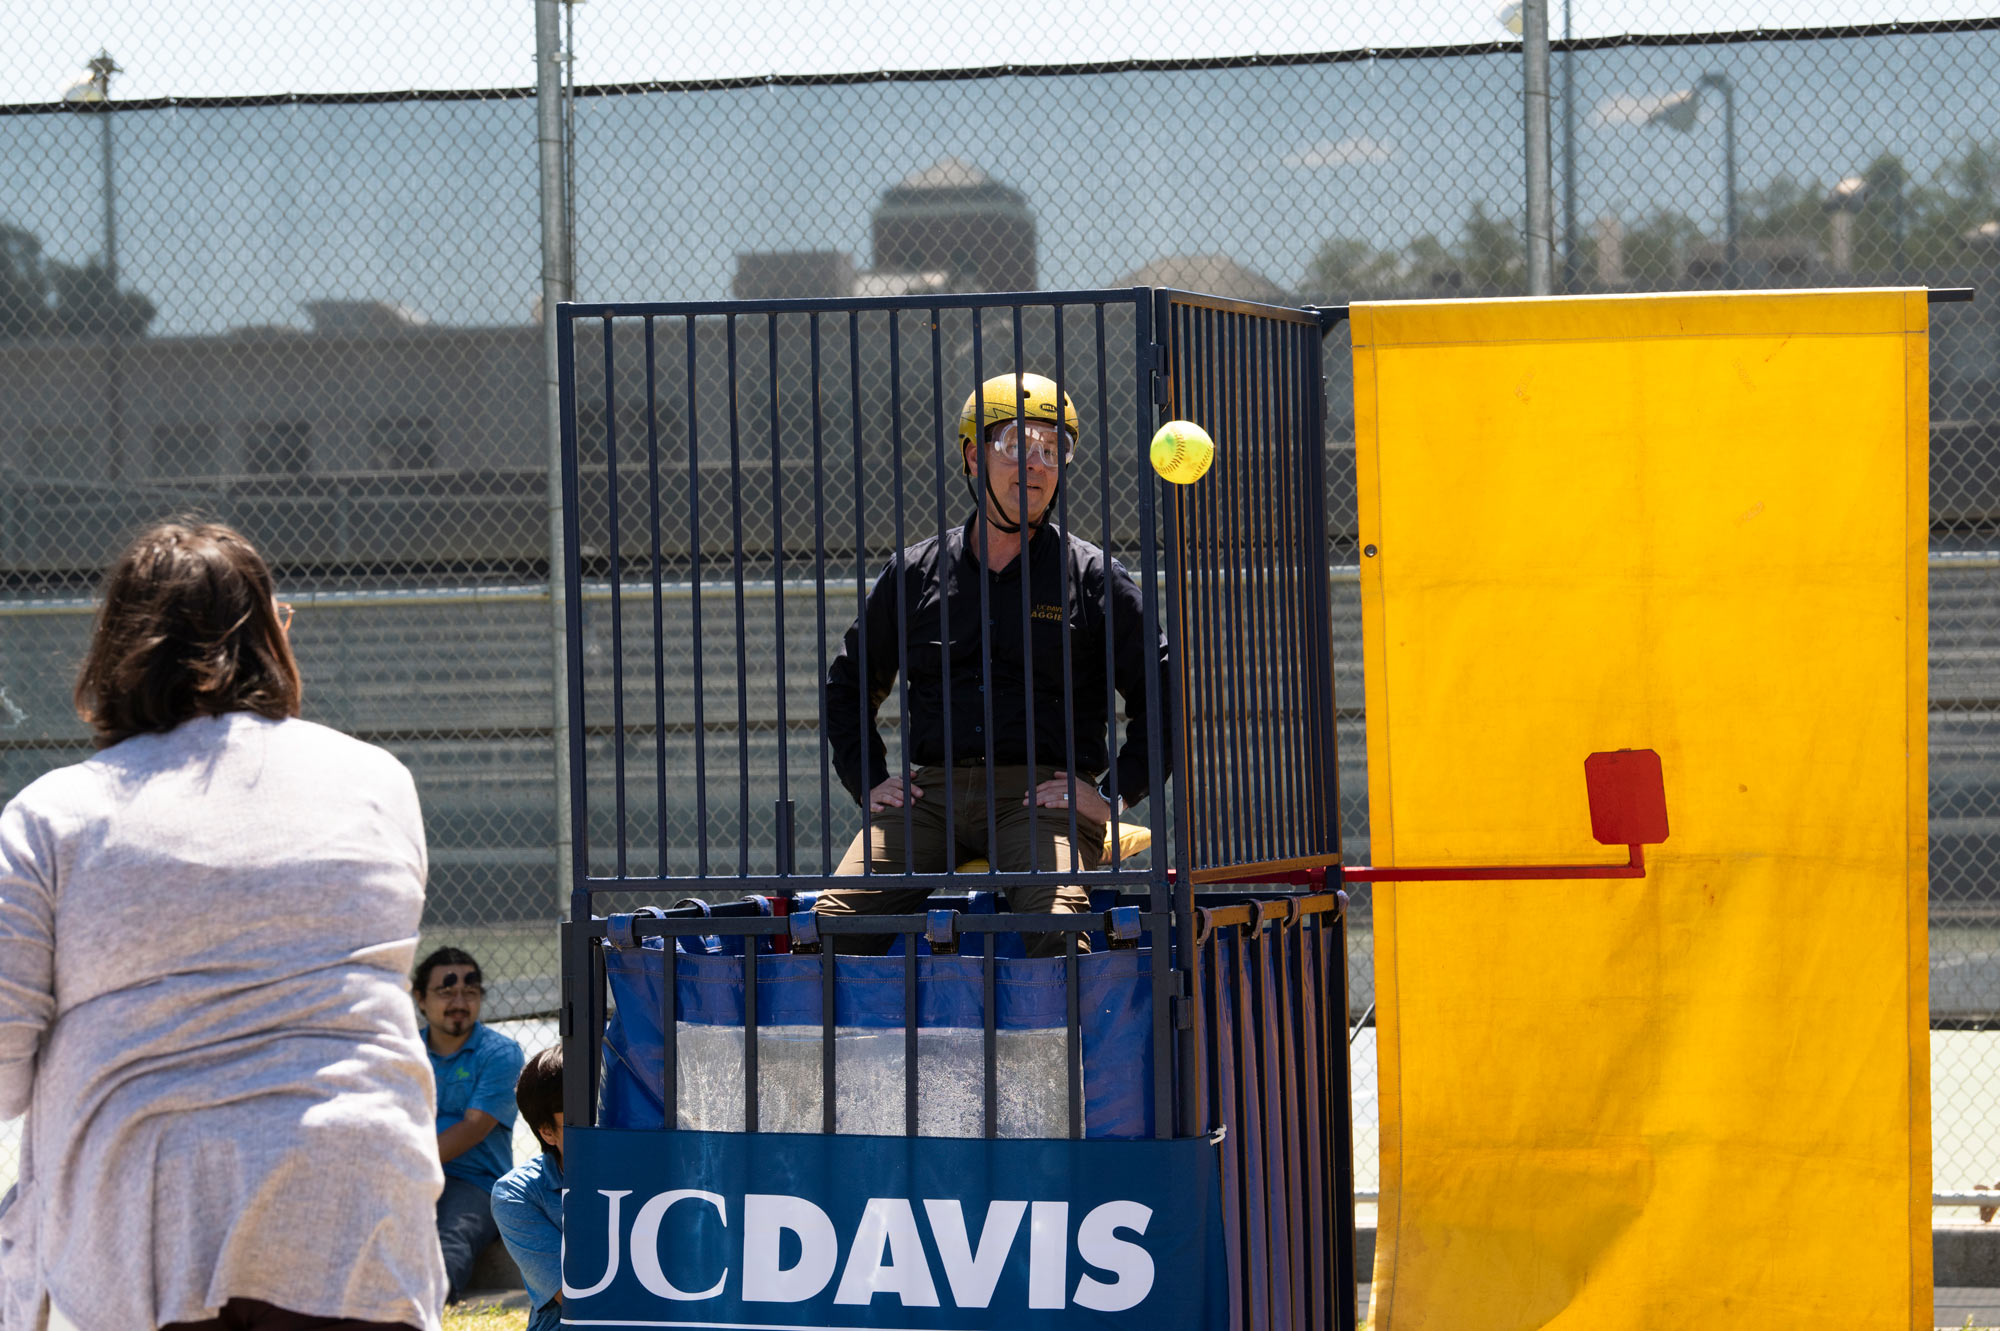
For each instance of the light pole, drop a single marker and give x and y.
(1677, 112)
(1843, 202)
(92, 93)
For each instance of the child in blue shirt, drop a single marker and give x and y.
(527, 1202)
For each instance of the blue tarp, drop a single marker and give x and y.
(1114, 996)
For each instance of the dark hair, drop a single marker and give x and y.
(538, 1093)
(444, 956)
(188, 628)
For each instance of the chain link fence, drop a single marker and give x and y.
(252, 275)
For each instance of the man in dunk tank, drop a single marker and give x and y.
(1009, 733)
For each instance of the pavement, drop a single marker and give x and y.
(1961, 1306)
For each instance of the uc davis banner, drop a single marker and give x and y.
(1698, 524)
(791, 1230)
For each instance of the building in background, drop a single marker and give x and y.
(791, 274)
(947, 228)
(952, 217)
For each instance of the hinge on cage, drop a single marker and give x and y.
(1180, 1006)
(1162, 385)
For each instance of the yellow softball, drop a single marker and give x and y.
(1182, 452)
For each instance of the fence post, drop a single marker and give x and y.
(552, 146)
(1535, 103)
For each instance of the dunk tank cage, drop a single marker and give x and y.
(738, 476)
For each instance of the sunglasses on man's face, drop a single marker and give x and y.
(451, 986)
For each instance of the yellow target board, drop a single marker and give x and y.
(1697, 524)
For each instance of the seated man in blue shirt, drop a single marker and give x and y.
(527, 1203)
(475, 1067)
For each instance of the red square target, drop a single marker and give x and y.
(1628, 797)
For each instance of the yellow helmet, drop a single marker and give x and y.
(1005, 397)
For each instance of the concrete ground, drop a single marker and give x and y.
(1960, 1306)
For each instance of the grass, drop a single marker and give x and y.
(459, 1318)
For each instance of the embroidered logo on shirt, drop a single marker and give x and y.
(1048, 612)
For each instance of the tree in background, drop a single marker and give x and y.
(1352, 268)
(1493, 254)
(41, 298)
(1429, 268)
(1899, 227)
(1882, 222)
(1782, 210)
(88, 304)
(1488, 259)
(1656, 248)
(1963, 198)
(24, 309)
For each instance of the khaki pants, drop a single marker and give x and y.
(1017, 847)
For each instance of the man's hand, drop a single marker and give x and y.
(894, 794)
(465, 1134)
(1055, 794)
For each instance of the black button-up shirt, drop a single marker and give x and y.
(924, 617)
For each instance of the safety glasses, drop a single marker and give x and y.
(1045, 441)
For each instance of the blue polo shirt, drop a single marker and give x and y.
(527, 1206)
(480, 1076)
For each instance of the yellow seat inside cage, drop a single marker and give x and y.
(1131, 839)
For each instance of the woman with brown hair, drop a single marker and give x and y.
(204, 930)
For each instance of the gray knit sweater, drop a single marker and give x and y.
(203, 942)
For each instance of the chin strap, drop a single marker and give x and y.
(1001, 523)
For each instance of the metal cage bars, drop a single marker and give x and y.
(874, 533)
(1259, 793)
(1247, 613)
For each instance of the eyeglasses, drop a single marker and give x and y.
(285, 613)
(1045, 440)
(450, 986)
